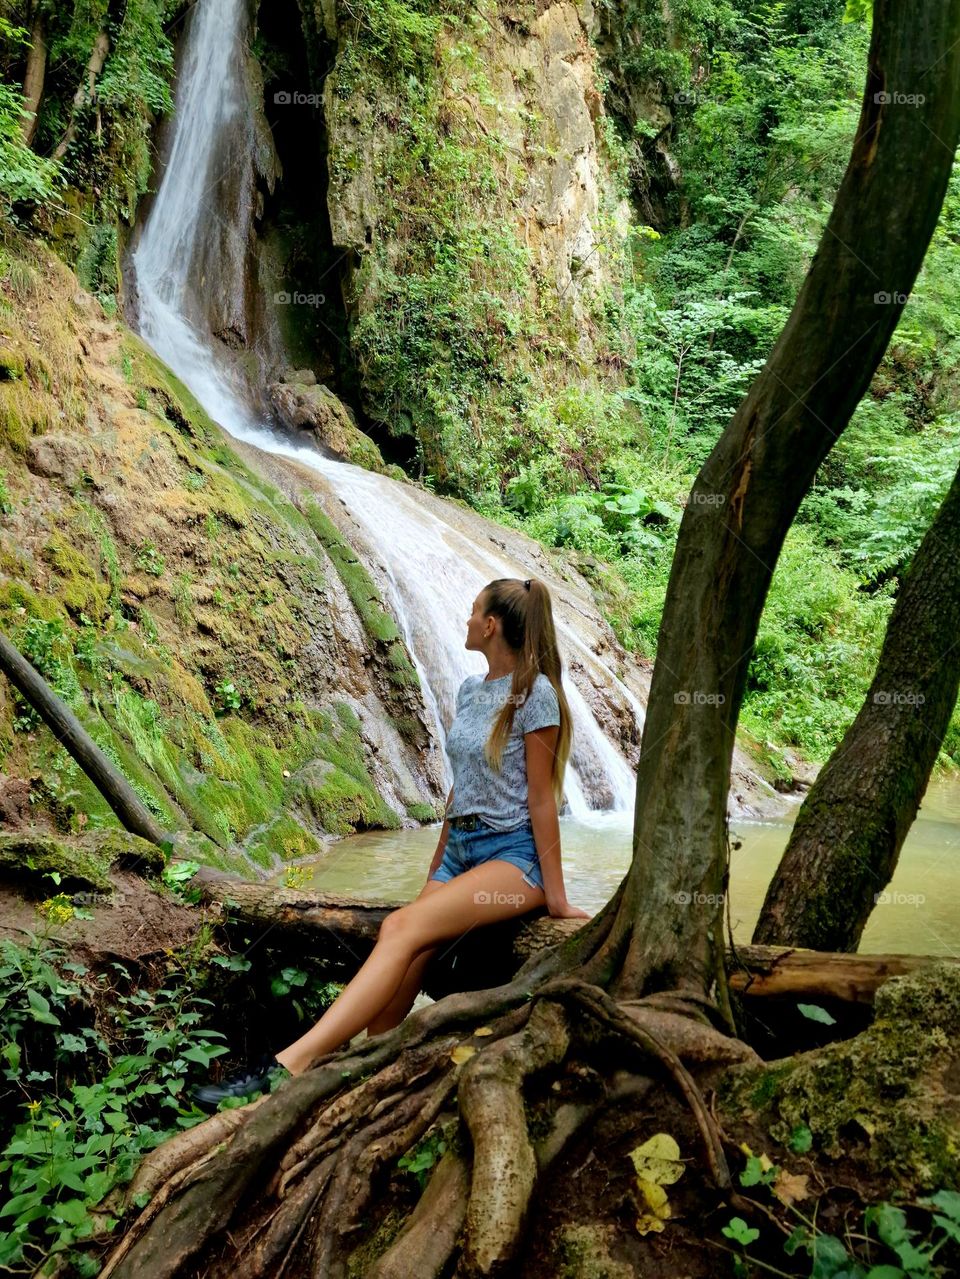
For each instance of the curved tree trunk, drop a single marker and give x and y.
(668, 929)
(283, 1186)
(87, 90)
(34, 77)
(848, 834)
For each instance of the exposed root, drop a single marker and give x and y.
(504, 1165)
(280, 1187)
(389, 1136)
(185, 1149)
(608, 1012)
(273, 1251)
(429, 1236)
(366, 1100)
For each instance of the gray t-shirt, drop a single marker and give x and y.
(499, 798)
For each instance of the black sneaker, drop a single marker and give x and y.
(243, 1085)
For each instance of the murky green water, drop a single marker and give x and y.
(921, 915)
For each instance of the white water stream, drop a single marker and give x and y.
(428, 568)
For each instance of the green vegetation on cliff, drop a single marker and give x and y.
(170, 596)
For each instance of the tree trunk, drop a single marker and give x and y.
(87, 90)
(847, 838)
(668, 928)
(286, 1189)
(34, 78)
(68, 730)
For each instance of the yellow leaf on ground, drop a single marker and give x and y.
(658, 1160)
(790, 1187)
(484, 1030)
(658, 1164)
(462, 1053)
(658, 1208)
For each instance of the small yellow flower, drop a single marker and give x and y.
(33, 1106)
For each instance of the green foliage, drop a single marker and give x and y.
(24, 175)
(228, 697)
(149, 559)
(910, 1253)
(101, 1071)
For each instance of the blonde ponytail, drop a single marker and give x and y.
(526, 614)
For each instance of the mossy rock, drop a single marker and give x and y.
(584, 1253)
(423, 812)
(284, 839)
(81, 589)
(890, 1096)
(84, 862)
(339, 803)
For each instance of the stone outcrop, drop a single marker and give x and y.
(301, 403)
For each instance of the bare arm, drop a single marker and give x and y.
(540, 748)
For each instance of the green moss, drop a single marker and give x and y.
(12, 364)
(339, 802)
(423, 812)
(879, 1095)
(284, 839)
(400, 674)
(80, 588)
(82, 862)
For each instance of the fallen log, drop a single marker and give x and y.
(68, 730)
(341, 931)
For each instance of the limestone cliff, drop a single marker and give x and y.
(215, 633)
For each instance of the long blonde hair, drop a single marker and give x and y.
(526, 614)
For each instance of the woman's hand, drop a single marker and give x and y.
(564, 910)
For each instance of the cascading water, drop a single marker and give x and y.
(428, 568)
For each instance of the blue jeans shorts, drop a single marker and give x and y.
(468, 848)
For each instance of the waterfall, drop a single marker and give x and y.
(427, 567)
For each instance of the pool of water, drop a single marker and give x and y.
(921, 915)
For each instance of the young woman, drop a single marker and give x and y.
(498, 855)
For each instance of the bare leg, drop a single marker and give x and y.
(402, 1001)
(398, 1007)
(488, 893)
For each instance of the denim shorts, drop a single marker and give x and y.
(468, 848)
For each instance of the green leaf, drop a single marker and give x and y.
(738, 1230)
(800, 1140)
(815, 1013)
(40, 1008)
(71, 1043)
(72, 1211)
(18, 1203)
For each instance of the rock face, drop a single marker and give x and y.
(307, 405)
(198, 617)
(539, 98)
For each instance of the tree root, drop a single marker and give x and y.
(504, 1165)
(279, 1187)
